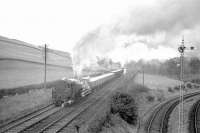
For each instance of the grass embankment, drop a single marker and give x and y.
(19, 100)
(156, 81)
(123, 109)
(14, 106)
(26, 89)
(134, 105)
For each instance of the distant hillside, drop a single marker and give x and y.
(22, 63)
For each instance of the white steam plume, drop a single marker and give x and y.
(146, 30)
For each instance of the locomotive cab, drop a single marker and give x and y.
(65, 91)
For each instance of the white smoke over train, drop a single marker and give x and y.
(152, 32)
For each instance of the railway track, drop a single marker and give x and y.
(194, 117)
(15, 122)
(50, 118)
(68, 127)
(23, 123)
(158, 121)
(60, 125)
(83, 121)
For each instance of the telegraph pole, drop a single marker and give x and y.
(143, 75)
(45, 65)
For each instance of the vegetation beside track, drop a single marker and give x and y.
(14, 106)
(122, 110)
(26, 89)
(144, 98)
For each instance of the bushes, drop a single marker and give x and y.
(170, 90)
(189, 85)
(124, 105)
(197, 81)
(97, 125)
(161, 99)
(160, 95)
(177, 88)
(184, 87)
(196, 86)
(140, 88)
(1, 93)
(25, 89)
(150, 98)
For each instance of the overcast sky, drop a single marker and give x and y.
(59, 23)
(134, 28)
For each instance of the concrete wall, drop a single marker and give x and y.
(23, 64)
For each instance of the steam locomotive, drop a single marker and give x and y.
(67, 91)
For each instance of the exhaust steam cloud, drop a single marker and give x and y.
(152, 32)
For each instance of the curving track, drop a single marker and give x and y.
(194, 125)
(158, 121)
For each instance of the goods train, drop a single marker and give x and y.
(69, 90)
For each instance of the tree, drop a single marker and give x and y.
(194, 65)
(126, 106)
(172, 66)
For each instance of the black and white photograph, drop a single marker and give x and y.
(99, 66)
